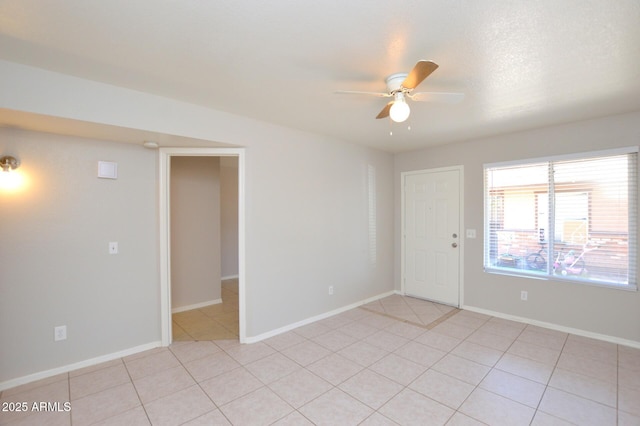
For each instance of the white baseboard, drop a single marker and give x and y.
(82, 364)
(196, 306)
(104, 358)
(295, 325)
(109, 357)
(230, 277)
(576, 331)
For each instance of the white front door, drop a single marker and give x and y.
(431, 231)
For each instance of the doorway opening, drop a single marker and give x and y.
(230, 284)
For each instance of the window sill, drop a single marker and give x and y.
(523, 274)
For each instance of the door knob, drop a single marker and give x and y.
(455, 235)
(454, 245)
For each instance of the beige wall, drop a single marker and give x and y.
(307, 202)
(56, 268)
(604, 311)
(195, 231)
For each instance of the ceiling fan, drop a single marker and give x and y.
(400, 86)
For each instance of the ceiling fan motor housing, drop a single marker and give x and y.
(394, 82)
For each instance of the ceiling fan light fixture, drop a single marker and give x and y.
(400, 110)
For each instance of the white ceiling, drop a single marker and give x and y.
(521, 64)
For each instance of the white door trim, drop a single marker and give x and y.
(165, 251)
(403, 176)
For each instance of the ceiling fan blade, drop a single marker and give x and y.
(385, 111)
(440, 97)
(419, 72)
(355, 92)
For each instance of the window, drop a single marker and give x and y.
(569, 218)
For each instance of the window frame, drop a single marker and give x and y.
(552, 187)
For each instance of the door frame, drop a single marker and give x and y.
(165, 155)
(403, 229)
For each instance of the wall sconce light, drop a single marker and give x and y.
(10, 180)
(9, 163)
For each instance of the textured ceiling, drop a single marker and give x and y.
(521, 64)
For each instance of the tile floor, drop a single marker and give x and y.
(358, 367)
(214, 322)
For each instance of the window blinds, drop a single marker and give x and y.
(566, 218)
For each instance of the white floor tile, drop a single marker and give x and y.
(362, 366)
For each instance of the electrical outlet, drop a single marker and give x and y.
(524, 295)
(60, 333)
(330, 290)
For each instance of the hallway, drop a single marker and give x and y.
(213, 322)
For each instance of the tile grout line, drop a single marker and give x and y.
(69, 392)
(337, 387)
(546, 386)
(137, 394)
(450, 352)
(197, 383)
(476, 387)
(429, 326)
(535, 410)
(404, 387)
